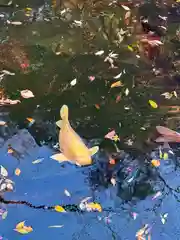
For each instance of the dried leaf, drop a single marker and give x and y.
(21, 228)
(17, 172)
(59, 208)
(153, 104)
(117, 84)
(27, 94)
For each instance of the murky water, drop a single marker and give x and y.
(77, 57)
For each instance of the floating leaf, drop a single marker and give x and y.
(73, 82)
(3, 171)
(37, 161)
(167, 95)
(155, 163)
(118, 76)
(56, 226)
(17, 23)
(113, 181)
(99, 53)
(153, 104)
(117, 84)
(59, 208)
(175, 94)
(93, 206)
(21, 228)
(127, 92)
(125, 7)
(85, 199)
(164, 218)
(17, 171)
(4, 215)
(27, 94)
(67, 193)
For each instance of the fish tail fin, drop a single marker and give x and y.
(64, 112)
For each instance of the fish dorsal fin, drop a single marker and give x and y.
(59, 123)
(64, 112)
(59, 157)
(93, 150)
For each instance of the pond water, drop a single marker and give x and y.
(115, 64)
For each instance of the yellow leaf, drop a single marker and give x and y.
(94, 206)
(117, 84)
(58, 208)
(17, 171)
(20, 225)
(153, 104)
(21, 228)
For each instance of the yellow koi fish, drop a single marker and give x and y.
(72, 147)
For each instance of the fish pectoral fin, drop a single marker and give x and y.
(93, 150)
(59, 157)
(59, 123)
